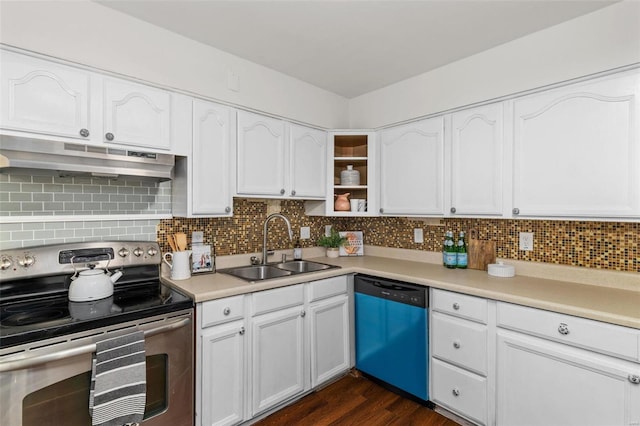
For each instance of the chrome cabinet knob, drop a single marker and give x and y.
(84, 133)
(138, 252)
(456, 306)
(456, 344)
(282, 191)
(453, 210)
(293, 192)
(381, 210)
(109, 136)
(241, 332)
(634, 378)
(226, 311)
(303, 314)
(123, 252)
(515, 210)
(227, 209)
(5, 264)
(151, 251)
(455, 391)
(563, 329)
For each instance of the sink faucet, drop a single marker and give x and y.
(264, 234)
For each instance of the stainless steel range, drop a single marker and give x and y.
(47, 340)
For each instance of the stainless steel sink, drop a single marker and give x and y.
(256, 272)
(302, 266)
(275, 270)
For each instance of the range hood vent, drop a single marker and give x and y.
(36, 156)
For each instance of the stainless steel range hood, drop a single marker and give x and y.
(36, 156)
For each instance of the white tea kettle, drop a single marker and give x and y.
(92, 284)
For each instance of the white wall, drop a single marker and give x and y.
(91, 34)
(603, 40)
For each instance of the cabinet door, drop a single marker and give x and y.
(211, 159)
(477, 161)
(545, 383)
(412, 168)
(136, 115)
(307, 162)
(222, 375)
(43, 97)
(329, 325)
(577, 150)
(260, 155)
(278, 366)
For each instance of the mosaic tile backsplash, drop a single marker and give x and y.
(601, 245)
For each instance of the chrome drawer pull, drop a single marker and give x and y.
(456, 344)
(226, 311)
(455, 392)
(563, 329)
(241, 332)
(456, 306)
(634, 378)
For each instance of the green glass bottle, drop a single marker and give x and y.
(449, 251)
(462, 258)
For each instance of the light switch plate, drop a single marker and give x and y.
(526, 241)
(197, 237)
(418, 236)
(305, 233)
(327, 230)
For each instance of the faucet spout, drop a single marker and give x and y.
(266, 229)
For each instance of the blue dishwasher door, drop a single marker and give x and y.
(391, 343)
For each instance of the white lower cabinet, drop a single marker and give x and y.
(561, 370)
(260, 350)
(460, 355)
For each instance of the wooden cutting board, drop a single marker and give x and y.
(481, 252)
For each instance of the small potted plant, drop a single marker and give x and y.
(332, 242)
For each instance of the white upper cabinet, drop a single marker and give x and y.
(477, 161)
(261, 154)
(412, 168)
(307, 162)
(202, 186)
(44, 97)
(577, 150)
(136, 115)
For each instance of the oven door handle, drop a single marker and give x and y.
(32, 361)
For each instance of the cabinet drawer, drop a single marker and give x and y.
(222, 310)
(460, 342)
(459, 390)
(589, 334)
(460, 305)
(327, 288)
(279, 298)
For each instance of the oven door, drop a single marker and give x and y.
(49, 385)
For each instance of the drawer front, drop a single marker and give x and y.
(598, 336)
(460, 342)
(326, 288)
(279, 298)
(460, 305)
(460, 391)
(222, 310)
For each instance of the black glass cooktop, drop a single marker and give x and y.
(39, 309)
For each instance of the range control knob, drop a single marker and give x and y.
(123, 252)
(5, 263)
(138, 251)
(151, 251)
(26, 261)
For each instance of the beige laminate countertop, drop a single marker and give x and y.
(608, 304)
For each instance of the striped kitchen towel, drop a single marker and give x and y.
(118, 380)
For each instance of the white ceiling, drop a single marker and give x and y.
(354, 47)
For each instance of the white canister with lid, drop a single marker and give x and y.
(350, 177)
(501, 270)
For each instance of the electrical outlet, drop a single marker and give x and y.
(526, 241)
(305, 233)
(327, 230)
(197, 237)
(418, 236)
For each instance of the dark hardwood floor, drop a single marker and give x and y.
(355, 401)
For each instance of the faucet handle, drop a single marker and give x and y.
(255, 260)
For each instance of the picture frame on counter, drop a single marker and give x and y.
(354, 246)
(201, 259)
